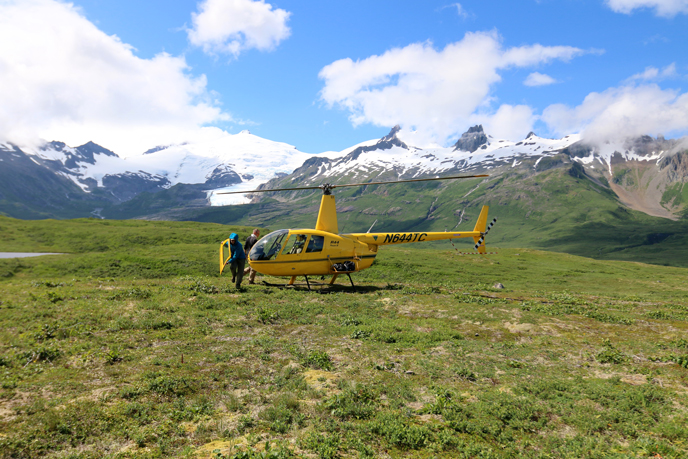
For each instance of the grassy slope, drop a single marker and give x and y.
(131, 346)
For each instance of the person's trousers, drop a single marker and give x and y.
(237, 269)
(251, 274)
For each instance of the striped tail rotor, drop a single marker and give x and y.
(487, 230)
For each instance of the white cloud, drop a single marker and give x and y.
(233, 26)
(539, 79)
(524, 56)
(432, 92)
(460, 10)
(665, 8)
(619, 113)
(508, 122)
(653, 73)
(657, 38)
(63, 79)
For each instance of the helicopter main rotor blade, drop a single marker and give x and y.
(275, 189)
(323, 186)
(410, 180)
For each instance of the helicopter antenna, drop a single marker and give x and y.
(328, 187)
(371, 226)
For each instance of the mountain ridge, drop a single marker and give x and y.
(647, 174)
(659, 161)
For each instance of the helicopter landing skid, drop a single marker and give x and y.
(308, 283)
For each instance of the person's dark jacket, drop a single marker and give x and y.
(250, 242)
(236, 249)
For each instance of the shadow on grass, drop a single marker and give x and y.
(319, 286)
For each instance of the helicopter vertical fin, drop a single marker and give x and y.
(327, 217)
(480, 226)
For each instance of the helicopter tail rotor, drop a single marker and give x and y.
(483, 228)
(481, 241)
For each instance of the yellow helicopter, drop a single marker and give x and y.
(323, 251)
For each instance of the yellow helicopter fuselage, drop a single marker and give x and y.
(322, 251)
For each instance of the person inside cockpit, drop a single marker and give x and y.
(298, 244)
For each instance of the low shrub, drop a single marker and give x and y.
(284, 412)
(167, 385)
(318, 360)
(610, 354)
(353, 403)
(42, 354)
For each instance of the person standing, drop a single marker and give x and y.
(250, 242)
(237, 261)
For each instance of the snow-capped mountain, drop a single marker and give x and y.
(392, 158)
(244, 162)
(229, 162)
(476, 151)
(391, 154)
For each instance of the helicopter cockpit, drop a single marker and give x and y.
(277, 243)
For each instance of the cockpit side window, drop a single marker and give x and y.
(295, 244)
(315, 244)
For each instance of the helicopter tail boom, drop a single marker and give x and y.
(478, 235)
(405, 238)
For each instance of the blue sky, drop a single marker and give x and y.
(601, 67)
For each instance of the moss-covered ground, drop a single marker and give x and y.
(130, 345)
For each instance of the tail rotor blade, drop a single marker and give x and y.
(482, 238)
(487, 230)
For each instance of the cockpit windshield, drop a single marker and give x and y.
(268, 247)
